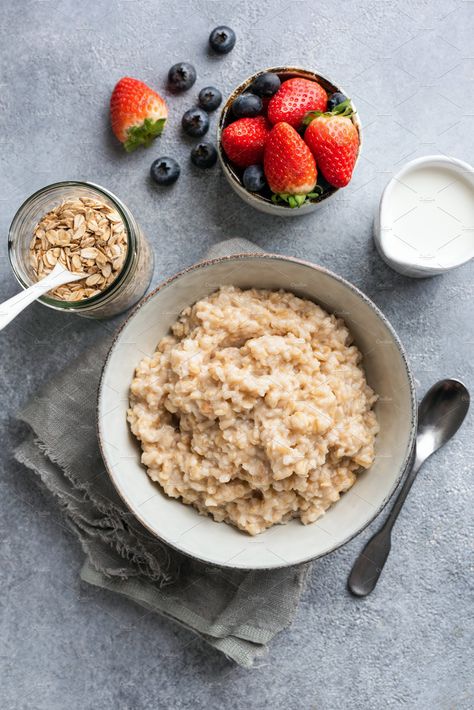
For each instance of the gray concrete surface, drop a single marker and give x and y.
(409, 66)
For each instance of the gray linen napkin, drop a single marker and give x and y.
(237, 612)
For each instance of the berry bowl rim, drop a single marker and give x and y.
(252, 198)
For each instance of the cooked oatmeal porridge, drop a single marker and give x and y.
(255, 409)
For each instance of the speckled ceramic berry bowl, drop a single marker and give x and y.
(264, 199)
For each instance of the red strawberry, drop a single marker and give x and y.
(243, 140)
(334, 142)
(138, 113)
(294, 99)
(289, 166)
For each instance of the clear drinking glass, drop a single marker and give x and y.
(132, 281)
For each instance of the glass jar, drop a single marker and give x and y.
(131, 282)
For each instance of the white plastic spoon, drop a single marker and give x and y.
(13, 306)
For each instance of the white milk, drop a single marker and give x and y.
(427, 217)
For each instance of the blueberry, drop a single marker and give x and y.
(222, 39)
(204, 155)
(247, 105)
(181, 76)
(209, 98)
(266, 84)
(164, 171)
(254, 178)
(336, 99)
(195, 122)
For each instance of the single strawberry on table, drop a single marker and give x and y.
(334, 141)
(289, 166)
(243, 141)
(138, 114)
(294, 99)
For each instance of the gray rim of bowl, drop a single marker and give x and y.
(277, 257)
(245, 84)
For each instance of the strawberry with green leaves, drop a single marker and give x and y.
(289, 166)
(294, 99)
(333, 139)
(138, 114)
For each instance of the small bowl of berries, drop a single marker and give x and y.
(288, 139)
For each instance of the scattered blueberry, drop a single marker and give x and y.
(164, 171)
(209, 98)
(181, 76)
(266, 84)
(254, 178)
(195, 122)
(247, 105)
(204, 155)
(336, 99)
(222, 39)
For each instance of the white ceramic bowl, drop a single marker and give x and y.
(282, 545)
(232, 174)
(435, 203)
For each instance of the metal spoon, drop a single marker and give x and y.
(13, 306)
(440, 414)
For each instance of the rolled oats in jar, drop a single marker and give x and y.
(88, 230)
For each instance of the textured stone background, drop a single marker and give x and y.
(407, 66)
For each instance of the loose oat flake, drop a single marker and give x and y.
(84, 235)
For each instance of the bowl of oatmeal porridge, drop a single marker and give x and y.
(256, 411)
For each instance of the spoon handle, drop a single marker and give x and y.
(10, 308)
(368, 566)
(13, 306)
(403, 492)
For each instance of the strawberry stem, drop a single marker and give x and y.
(295, 201)
(144, 134)
(342, 109)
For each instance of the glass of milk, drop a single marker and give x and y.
(425, 224)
